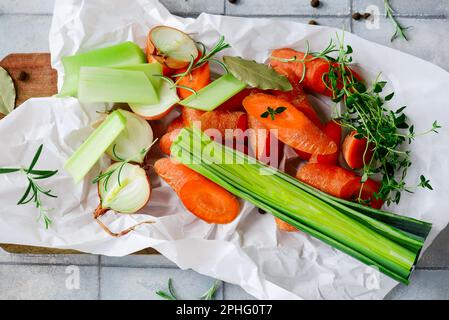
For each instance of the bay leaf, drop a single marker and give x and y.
(7, 92)
(256, 74)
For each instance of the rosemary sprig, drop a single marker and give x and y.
(174, 84)
(34, 191)
(171, 294)
(399, 29)
(367, 114)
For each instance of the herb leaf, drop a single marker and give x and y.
(399, 29)
(256, 75)
(7, 92)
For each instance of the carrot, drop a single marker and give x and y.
(365, 191)
(260, 142)
(177, 123)
(196, 80)
(222, 120)
(172, 132)
(293, 127)
(355, 151)
(284, 226)
(316, 69)
(333, 130)
(190, 115)
(202, 197)
(328, 178)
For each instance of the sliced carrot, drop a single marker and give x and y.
(204, 198)
(355, 151)
(328, 178)
(196, 80)
(260, 142)
(293, 127)
(222, 120)
(316, 69)
(167, 139)
(177, 123)
(333, 130)
(284, 226)
(365, 191)
(190, 115)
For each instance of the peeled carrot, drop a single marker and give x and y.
(235, 103)
(172, 132)
(293, 127)
(316, 69)
(222, 120)
(328, 178)
(284, 226)
(196, 80)
(190, 115)
(259, 139)
(177, 123)
(339, 182)
(333, 130)
(355, 151)
(205, 199)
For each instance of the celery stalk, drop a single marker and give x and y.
(126, 53)
(214, 94)
(371, 241)
(150, 70)
(114, 85)
(85, 157)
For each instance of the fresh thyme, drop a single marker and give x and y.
(171, 294)
(34, 191)
(367, 114)
(273, 112)
(399, 29)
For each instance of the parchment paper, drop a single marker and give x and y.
(250, 251)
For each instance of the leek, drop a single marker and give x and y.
(114, 85)
(365, 234)
(126, 53)
(85, 157)
(214, 94)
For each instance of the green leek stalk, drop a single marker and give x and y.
(123, 54)
(383, 240)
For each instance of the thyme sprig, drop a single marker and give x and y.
(271, 112)
(385, 130)
(34, 191)
(171, 294)
(399, 29)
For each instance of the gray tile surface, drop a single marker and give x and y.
(24, 26)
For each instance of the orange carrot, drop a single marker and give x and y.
(205, 199)
(333, 130)
(167, 139)
(190, 115)
(196, 80)
(328, 178)
(284, 226)
(177, 123)
(222, 120)
(235, 103)
(315, 69)
(355, 151)
(293, 127)
(259, 139)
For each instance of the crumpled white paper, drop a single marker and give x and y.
(250, 251)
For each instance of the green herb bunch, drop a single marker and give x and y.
(34, 191)
(367, 113)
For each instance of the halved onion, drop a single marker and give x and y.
(175, 47)
(134, 142)
(168, 99)
(126, 190)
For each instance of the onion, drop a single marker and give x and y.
(134, 142)
(175, 48)
(124, 188)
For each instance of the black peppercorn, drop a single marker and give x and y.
(23, 76)
(356, 16)
(315, 3)
(232, 1)
(366, 15)
(313, 22)
(261, 211)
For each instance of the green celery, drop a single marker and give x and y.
(126, 53)
(214, 94)
(372, 241)
(114, 85)
(85, 157)
(150, 70)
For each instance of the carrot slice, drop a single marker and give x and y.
(293, 127)
(177, 123)
(236, 102)
(355, 151)
(259, 139)
(167, 139)
(196, 80)
(333, 130)
(328, 178)
(222, 120)
(284, 226)
(365, 191)
(204, 198)
(190, 115)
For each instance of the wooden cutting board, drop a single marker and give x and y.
(34, 77)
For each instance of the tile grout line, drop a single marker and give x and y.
(99, 278)
(351, 11)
